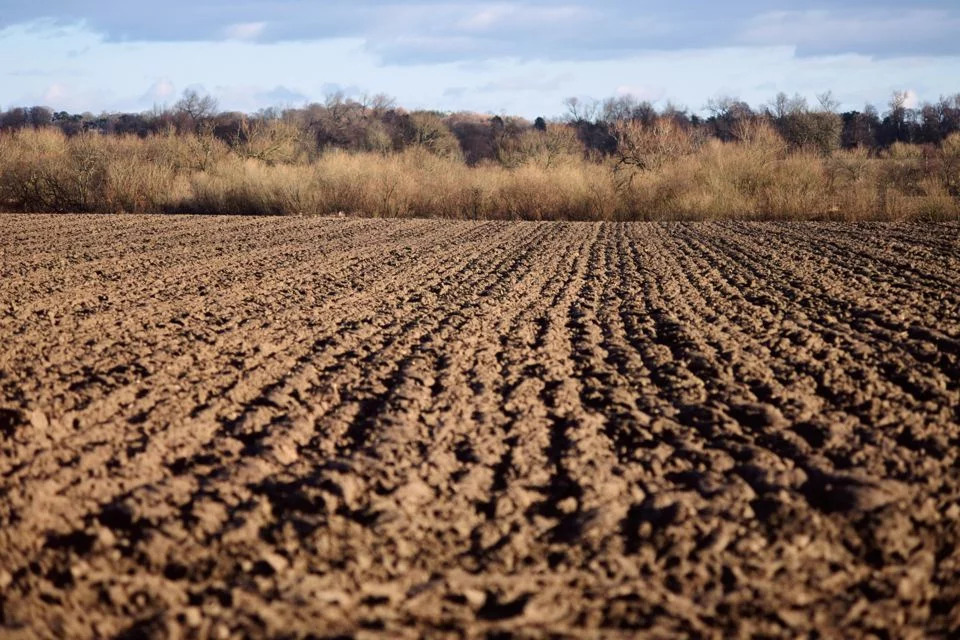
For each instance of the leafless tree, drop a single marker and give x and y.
(378, 103)
(195, 106)
(581, 110)
(828, 102)
(628, 107)
(783, 105)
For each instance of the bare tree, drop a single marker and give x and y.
(727, 116)
(40, 116)
(678, 114)
(340, 122)
(378, 103)
(646, 147)
(427, 130)
(898, 101)
(896, 125)
(581, 110)
(782, 105)
(627, 107)
(828, 102)
(15, 118)
(195, 106)
(544, 147)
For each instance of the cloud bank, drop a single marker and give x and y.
(418, 32)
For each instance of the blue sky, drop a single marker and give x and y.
(519, 57)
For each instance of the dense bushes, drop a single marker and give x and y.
(621, 159)
(663, 171)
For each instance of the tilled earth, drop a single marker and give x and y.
(294, 427)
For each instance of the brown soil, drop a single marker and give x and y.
(247, 427)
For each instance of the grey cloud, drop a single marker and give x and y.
(881, 31)
(407, 33)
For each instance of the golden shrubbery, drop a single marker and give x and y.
(661, 172)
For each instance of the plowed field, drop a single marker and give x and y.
(247, 427)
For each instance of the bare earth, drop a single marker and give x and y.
(247, 427)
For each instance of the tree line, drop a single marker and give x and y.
(595, 127)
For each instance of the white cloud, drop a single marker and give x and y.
(245, 30)
(55, 93)
(67, 96)
(912, 100)
(160, 91)
(132, 76)
(486, 18)
(516, 15)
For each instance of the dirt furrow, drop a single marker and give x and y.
(200, 420)
(299, 427)
(814, 479)
(848, 315)
(284, 427)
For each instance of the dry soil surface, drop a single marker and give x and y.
(246, 427)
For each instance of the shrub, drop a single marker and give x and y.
(647, 147)
(270, 141)
(660, 171)
(43, 171)
(546, 147)
(950, 171)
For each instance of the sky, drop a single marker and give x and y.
(520, 57)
